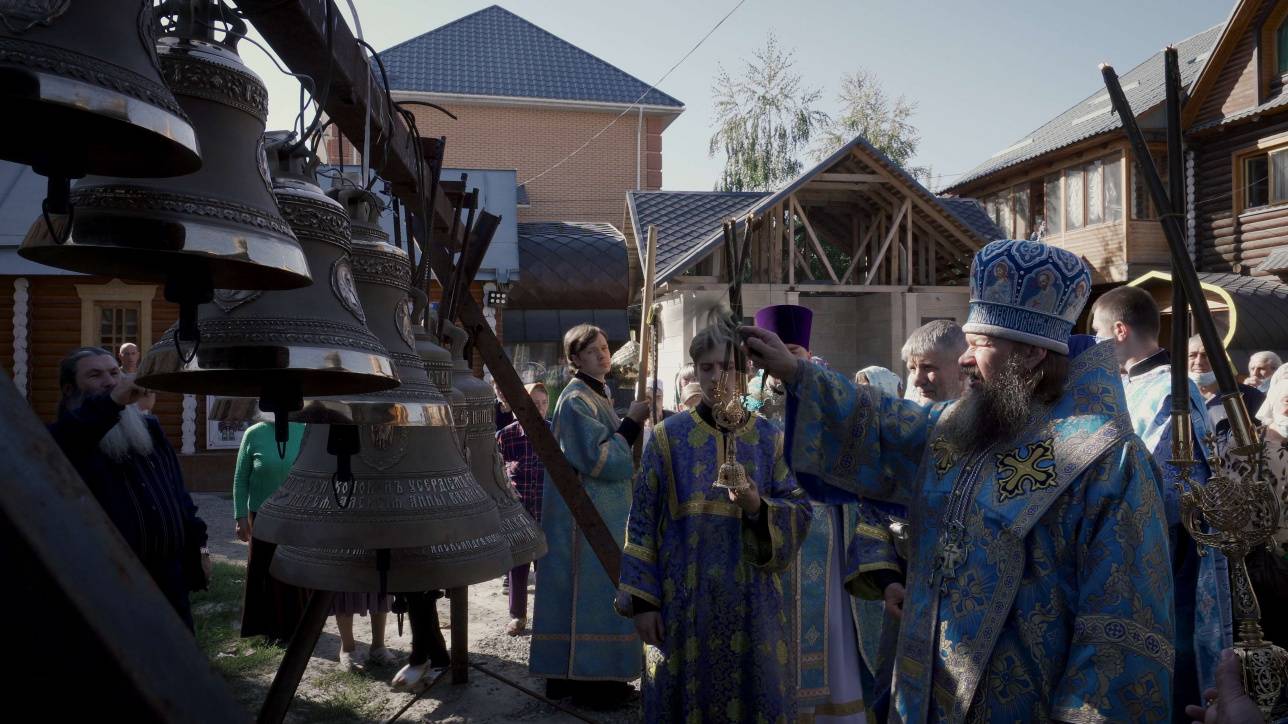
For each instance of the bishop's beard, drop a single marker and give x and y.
(129, 435)
(993, 411)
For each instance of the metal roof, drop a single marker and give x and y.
(1094, 115)
(494, 52)
(685, 220)
(567, 265)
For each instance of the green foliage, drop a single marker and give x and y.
(866, 110)
(764, 119)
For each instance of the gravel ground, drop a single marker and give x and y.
(483, 699)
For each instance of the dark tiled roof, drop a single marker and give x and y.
(494, 52)
(1094, 115)
(567, 265)
(685, 220)
(971, 213)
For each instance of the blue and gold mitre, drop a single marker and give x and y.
(1027, 291)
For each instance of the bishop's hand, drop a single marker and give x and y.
(769, 353)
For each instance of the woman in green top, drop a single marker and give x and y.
(270, 608)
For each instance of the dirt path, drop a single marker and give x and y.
(327, 694)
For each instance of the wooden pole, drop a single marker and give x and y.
(642, 383)
(791, 245)
(459, 614)
(60, 530)
(296, 660)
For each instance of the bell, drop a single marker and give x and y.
(383, 275)
(218, 228)
(732, 476)
(476, 422)
(283, 346)
(414, 496)
(82, 92)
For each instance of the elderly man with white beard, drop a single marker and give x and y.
(127, 463)
(1039, 586)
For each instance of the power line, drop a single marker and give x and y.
(650, 89)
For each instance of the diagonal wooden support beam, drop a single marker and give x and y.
(296, 29)
(868, 235)
(818, 246)
(885, 245)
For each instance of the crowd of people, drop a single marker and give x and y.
(993, 532)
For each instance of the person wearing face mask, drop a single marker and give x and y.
(1201, 372)
(1129, 319)
(579, 643)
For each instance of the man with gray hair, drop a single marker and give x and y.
(931, 353)
(1261, 367)
(126, 461)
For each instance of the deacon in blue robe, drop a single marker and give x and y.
(705, 565)
(576, 633)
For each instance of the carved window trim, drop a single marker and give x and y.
(115, 291)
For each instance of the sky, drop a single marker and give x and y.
(982, 73)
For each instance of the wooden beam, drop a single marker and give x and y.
(870, 178)
(868, 235)
(60, 546)
(818, 246)
(792, 253)
(935, 211)
(907, 267)
(885, 245)
(776, 248)
(296, 30)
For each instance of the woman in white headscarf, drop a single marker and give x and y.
(880, 378)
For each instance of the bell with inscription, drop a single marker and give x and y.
(284, 346)
(383, 275)
(216, 228)
(476, 424)
(413, 519)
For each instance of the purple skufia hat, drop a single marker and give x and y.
(789, 321)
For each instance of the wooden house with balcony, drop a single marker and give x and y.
(1074, 180)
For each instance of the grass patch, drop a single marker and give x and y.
(217, 614)
(346, 697)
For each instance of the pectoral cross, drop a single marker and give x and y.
(953, 551)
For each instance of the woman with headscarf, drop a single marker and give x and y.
(880, 378)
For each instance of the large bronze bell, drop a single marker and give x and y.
(476, 423)
(218, 228)
(383, 275)
(282, 346)
(82, 92)
(413, 490)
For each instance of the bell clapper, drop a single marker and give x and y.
(343, 442)
(57, 202)
(281, 404)
(188, 291)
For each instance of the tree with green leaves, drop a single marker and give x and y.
(868, 111)
(765, 118)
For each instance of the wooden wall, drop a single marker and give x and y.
(1235, 88)
(1102, 245)
(1225, 241)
